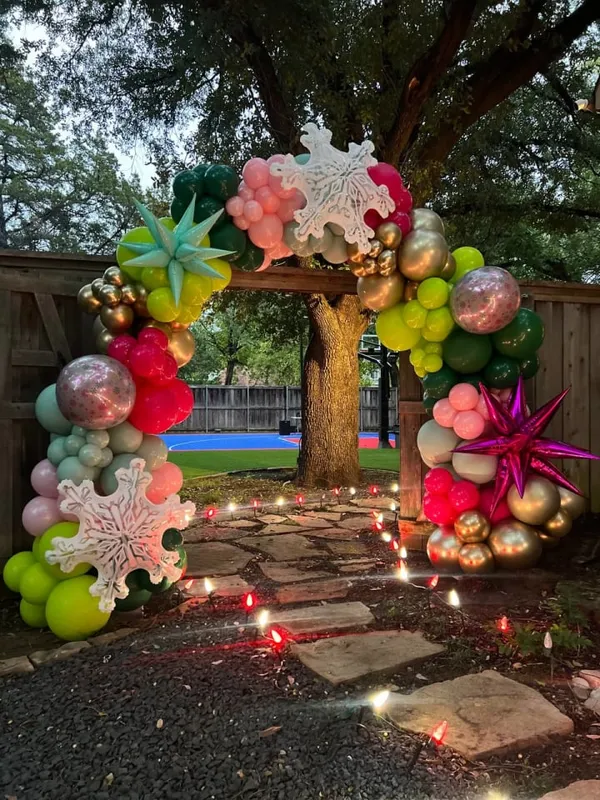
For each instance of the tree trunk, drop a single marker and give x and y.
(330, 392)
(229, 372)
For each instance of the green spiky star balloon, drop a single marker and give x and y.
(176, 250)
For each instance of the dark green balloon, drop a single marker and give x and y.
(438, 384)
(133, 600)
(172, 539)
(502, 372)
(178, 208)
(182, 561)
(186, 184)
(429, 403)
(205, 207)
(466, 352)
(474, 380)
(228, 237)
(200, 169)
(153, 588)
(251, 258)
(133, 580)
(530, 366)
(221, 181)
(521, 337)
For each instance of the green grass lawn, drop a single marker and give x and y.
(197, 464)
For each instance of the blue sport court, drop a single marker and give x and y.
(191, 442)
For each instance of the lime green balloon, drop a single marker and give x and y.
(417, 354)
(65, 530)
(161, 305)
(221, 181)
(433, 293)
(124, 438)
(36, 547)
(168, 222)
(228, 237)
(15, 568)
(197, 288)
(135, 236)
(414, 315)
(521, 337)
(188, 314)
(502, 372)
(48, 414)
(36, 584)
(72, 612)
(224, 269)
(72, 469)
(393, 332)
(439, 322)
(33, 615)
(433, 348)
(107, 478)
(155, 278)
(438, 384)
(529, 366)
(56, 450)
(467, 352)
(467, 259)
(432, 363)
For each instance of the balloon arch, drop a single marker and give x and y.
(107, 519)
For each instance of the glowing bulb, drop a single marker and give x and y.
(394, 487)
(336, 491)
(379, 699)
(387, 537)
(439, 732)
(503, 624)
(393, 507)
(231, 507)
(548, 641)
(249, 601)
(402, 552)
(433, 581)
(453, 598)
(210, 512)
(379, 518)
(403, 572)
(280, 501)
(374, 491)
(208, 586)
(352, 491)
(276, 636)
(188, 584)
(299, 499)
(263, 619)
(395, 545)
(256, 503)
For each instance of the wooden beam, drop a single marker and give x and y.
(33, 358)
(54, 327)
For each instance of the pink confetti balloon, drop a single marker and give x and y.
(241, 222)
(268, 199)
(256, 173)
(443, 413)
(40, 514)
(463, 397)
(267, 232)
(245, 192)
(485, 300)
(235, 206)
(253, 211)
(468, 424)
(44, 479)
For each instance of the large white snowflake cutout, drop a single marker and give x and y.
(337, 187)
(119, 533)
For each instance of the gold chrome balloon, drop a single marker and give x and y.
(115, 276)
(182, 347)
(475, 558)
(449, 268)
(358, 270)
(129, 294)
(87, 300)
(110, 295)
(424, 219)
(386, 262)
(103, 339)
(443, 547)
(376, 248)
(422, 254)
(472, 526)
(559, 525)
(354, 254)
(410, 290)
(370, 266)
(514, 545)
(389, 234)
(573, 504)
(97, 326)
(96, 285)
(118, 319)
(540, 501)
(379, 292)
(140, 307)
(179, 326)
(548, 542)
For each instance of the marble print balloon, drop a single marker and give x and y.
(485, 300)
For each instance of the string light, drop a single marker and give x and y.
(210, 513)
(280, 501)
(209, 588)
(188, 584)
(438, 734)
(403, 572)
(278, 639)
(373, 490)
(402, 552)
(379, 699)
(249, 602)
(352, 491)
(453, 598)
(232, 509)
(255, 503)
(548, 651)
(503, 625)
(395, 487)
(433, 581)
(300, 500)
(387, 537)
(394, 545)
(548, 641)
(263, 619)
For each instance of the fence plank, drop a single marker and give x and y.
(53, 326)
(549, 380)
(576, 418)
(594, 445)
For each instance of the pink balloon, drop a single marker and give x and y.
(235, 206)
(166, 480)
(241, 222)
(405, 201)
(256, 173)
(469, 424)
(386, 175)
(443, 413)
(402, 220)
(286, 209)
(253, 211)
(463, 397)
(505, 395)
(267, 232)
(482, 408)
(280, 250)
(266, 263)
(268, 199)
(486, 495)
(275, 180)
(245, 192)
(44, 480)
(40, 514)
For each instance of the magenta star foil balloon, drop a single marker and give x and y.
(519, 444)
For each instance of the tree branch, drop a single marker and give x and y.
(522, 209)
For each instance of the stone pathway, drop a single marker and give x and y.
(580, 790)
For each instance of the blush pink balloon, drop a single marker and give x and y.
(245, 192)
(505, 395)
(268, 199)
(241, 222)
(482, 408)
(253, 211)
(275, 180)
(280, 250)
(463, 397)
(267, 232)
(44, 479)
(166, 480)
(266, 263)
(444, 413)
(40, 514)
(286, 209)
(256, 173)
(235, 206)
(468, 424)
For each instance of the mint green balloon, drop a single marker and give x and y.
(90, 455)
(73, 444)
(56, 450)
(73, 470)
(99, 438)
(77, 430)
(154, 451)
(107, 457)
(302, 158)
(48, 414)
(124, 438)
(107, 478)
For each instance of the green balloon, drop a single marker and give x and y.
(100, 438)
(153, 450)
(529, 366)
(251, 258)
(429, 403)
(72, 612)
(502, 372)
(124, 438)
(36, 584)
(15, 568)
(205, 207)
(133, 601)
(200, 169)
(73, 444)
(438, 384)
(228, 237)
(65, 530)
(153, 588)
(474, 380)
(466, 352)
(49, 415)
(36, 547)
(33, 615)
(107, 457)
(521, 337)
(177, 209)
(77, 430)
(90, 455)
(221, 181)
(186, 184)
(56, 450)
(72, 469)
(107, 478)
(172, 539)
(182, 562)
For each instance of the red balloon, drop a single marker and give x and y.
(385, 175)
(146, 361)
(404, 202)
(438, 509)
(154, 410)
(121, 347)
(402, 220)
(168, 371)
(372, 218)
(502, 511)
(183, 399)
(153, 336)
(438, 481)
(463, 496)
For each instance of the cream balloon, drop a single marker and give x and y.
(424, 219)
(422, 254)
(379, 292)
(436, 443)
(573, 504)
(514, 545)
(539, 503)
(475, 467)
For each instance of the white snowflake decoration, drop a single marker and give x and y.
(337, 187)
(119, 533)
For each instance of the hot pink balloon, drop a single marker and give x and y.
(267, 232)
(256, 173)
(486, 497)
(253, 211)
(245, 192)
(386, 175)
(402, 220)
(444, 413)
(235, 206)
(40, 514)
(44, 479)
(166, 480)
(373, 218)
(268, 199)
(275, 180)
(405, 201)
(463, 397)
(241, 222)
(468, 424)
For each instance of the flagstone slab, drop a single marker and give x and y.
(580, 790)
(61, 653)
(15, 666)
(283, 546)
(324, 618)
(348, 548)
(328, 589)
(358, 565)
(215, 558)
(308, 522)
(376, 502)
(224, 586)
(280, 572)
(209, 533)
(339, 534)
(332, 516)
(347, 658)
(272, 519)
(362, 523)
(487, 714)
(283, 528)
(241, 524)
